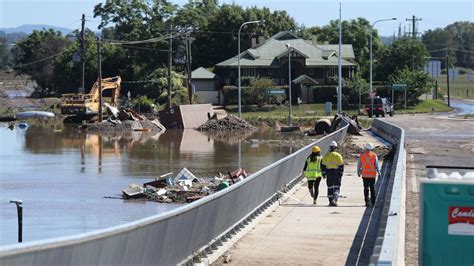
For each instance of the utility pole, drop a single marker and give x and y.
(188, 67)
(83, 61)
(413, 20)
(170, 64)
(339, 64)
(99, 74)
(447, 76)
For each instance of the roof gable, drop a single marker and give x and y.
(267, 53)
(202, 73)
(284, 35)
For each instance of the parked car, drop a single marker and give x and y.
(382, 106)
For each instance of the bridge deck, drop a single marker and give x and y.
(303, 233)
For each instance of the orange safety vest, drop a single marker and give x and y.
(367, 160)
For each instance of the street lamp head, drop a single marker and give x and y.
(18, 202)
(288, 46)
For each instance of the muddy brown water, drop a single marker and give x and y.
(63, 176)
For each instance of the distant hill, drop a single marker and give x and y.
(28, 29)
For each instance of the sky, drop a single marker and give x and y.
(434, 13)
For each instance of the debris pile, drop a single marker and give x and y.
(228, 123)
(125, 120)
(325, 126)
(183, 188)
(350, 150)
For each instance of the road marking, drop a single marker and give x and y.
(412, 173)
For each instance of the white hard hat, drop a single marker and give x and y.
(369, 146)
(333, 144)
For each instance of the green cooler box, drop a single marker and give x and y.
(447, 219)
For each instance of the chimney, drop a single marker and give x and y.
(254, 42)
(314, 39)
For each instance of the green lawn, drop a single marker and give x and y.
(426, 106)
(308, 113)
(460, 87)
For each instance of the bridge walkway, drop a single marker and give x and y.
(298, 232)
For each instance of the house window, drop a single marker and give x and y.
(332, 71)
(249, 72)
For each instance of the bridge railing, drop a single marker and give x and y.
(172, 237)
(390, 244)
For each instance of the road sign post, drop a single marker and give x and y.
(399, 87)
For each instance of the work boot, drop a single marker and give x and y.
(314, 201)
(331, 203)
(334, 203)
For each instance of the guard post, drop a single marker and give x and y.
(19, 210)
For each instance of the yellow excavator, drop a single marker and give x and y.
(81, 104)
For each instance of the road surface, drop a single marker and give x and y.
(432, 140)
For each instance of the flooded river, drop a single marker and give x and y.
(63, 175)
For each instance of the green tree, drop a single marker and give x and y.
(436, 41)
(403, 53)
(67, 72)
(463, 36)
(418, 83)
(4, 53)
(137, 20)
(36, 54)
(356, 32)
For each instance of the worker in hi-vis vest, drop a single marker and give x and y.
(332, 167)
(368, 168)
(313, 173)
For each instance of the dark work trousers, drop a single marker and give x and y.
(313, 186)
(369, 183)
(333, 182)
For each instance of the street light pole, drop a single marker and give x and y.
(370, 70)
(290, 123)
(238, 60)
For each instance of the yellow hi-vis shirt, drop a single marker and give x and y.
(313, 169)
(332, 160)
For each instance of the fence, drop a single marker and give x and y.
(171, 237)
(390, 250)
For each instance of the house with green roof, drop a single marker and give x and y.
(312, 64)
(206, 85)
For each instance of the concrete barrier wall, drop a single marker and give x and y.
(171, 237)
(391, 250)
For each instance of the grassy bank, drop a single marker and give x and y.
(460, 87)
(428, 106)
(307, 114)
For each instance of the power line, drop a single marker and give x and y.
(40, 60)
(139, 81)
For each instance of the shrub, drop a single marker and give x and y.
(255, 94)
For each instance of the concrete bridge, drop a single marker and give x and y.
(288, 230)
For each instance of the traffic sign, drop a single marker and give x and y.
(399, 86)
(276, 92)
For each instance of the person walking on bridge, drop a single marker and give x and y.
(312, 172)
(368, 168)
(332, 167)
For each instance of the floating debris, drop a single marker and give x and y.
(183, 188)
